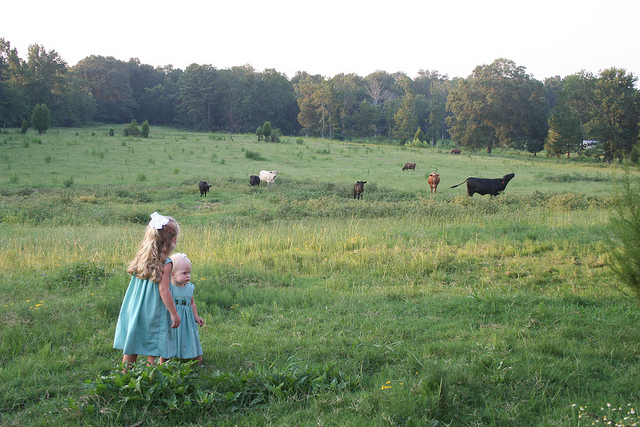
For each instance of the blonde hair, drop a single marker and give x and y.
(179, 260)
(154, 250)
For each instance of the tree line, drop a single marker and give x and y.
(497, 105)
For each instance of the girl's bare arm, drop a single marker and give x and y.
(165, 294)
(198, 320)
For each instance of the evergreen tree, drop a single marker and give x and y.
(41, 118)
(145, 129)
(266, 131)
(624, 250)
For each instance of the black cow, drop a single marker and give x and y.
(358, 188)
(254, 180)
(204, 188)
(493, 186)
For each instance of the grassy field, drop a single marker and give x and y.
(404, 308)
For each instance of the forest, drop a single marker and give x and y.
(497, 105)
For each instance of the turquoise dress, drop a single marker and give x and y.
(144, 321)
(183, 342)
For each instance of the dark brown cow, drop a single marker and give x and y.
(455, 151)
(411, 166)
(434, 180)
(204, 188)
(254, 180)
(493, 186)
(358, 189)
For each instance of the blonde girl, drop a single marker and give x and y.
(148, 310)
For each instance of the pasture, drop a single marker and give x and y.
(402, 308)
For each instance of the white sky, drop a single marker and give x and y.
(548, 37)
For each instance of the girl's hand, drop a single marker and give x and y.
(199, 321)
(175, 320)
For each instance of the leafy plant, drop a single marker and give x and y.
(177, 385)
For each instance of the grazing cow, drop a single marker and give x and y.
(268, 176)
(254, 180)
(411, 166)
(204, 188)
(486, 185)
(434, 180)
(455, 151)
(358, 188)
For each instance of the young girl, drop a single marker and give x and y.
(148, 312)
(184, 341)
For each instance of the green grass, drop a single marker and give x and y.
(404, 308)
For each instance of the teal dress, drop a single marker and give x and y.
(183, 342)
(144, 321)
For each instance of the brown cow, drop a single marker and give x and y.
(411, 166)
(434, 180)
(358, 188)
(455, 151)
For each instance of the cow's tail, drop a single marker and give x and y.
(454, 186)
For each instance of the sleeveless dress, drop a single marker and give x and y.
(144, 321)
(183, 342)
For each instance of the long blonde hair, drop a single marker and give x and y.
(156, 246)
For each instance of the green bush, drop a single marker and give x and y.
(145, 129)
(41, 118)
(253, 155)
(624, 248)
(131, 129)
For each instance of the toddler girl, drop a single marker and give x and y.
(183, 342)
(148, 311)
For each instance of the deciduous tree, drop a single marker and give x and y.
(617, 112)
(499, 104)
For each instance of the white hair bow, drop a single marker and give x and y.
(157, 221)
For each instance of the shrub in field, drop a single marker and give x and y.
(253, 155)
(624, 249)
(41, 118)
(131, 129)
(145, 129)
